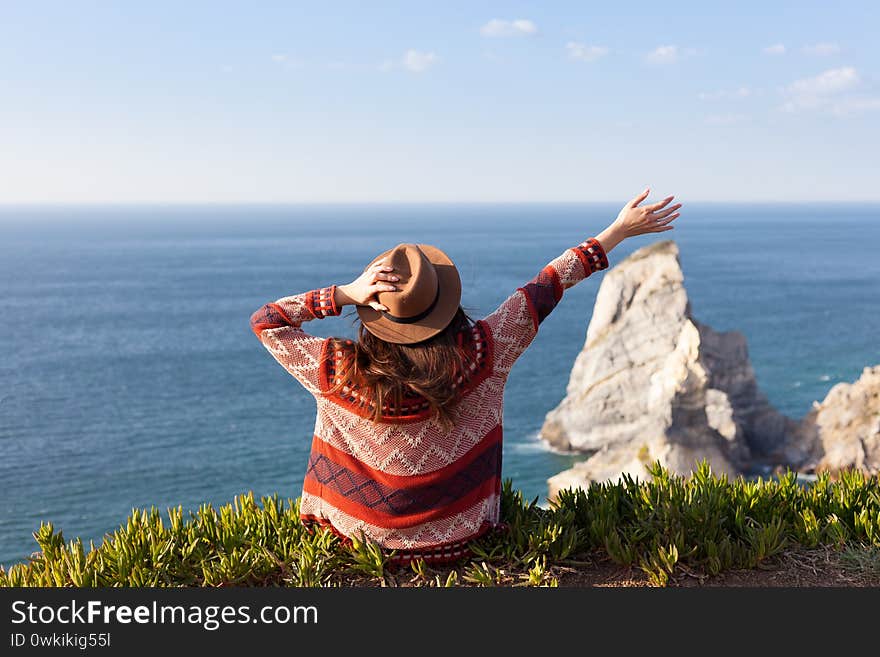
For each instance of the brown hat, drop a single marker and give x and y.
(427, 296)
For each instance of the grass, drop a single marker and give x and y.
(666, 526)
(862, 561)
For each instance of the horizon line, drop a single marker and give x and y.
(105, 203)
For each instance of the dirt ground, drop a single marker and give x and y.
(820, 567)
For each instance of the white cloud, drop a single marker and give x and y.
(584, 52)
(725, 119)
(822, 49)
(286, 60)
(830, 91)
(414, 61)
(663, 54)
(851, 106)
(669, 54)
(833, 81)
(498, 27)
(775, 49)
(725, 94)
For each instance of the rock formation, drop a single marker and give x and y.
(652, 383)
(843, 430)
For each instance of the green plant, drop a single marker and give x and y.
(368, 557)
(481, 574)
(660, 564)
(701, 522)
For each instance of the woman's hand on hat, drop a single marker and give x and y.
(362, 291)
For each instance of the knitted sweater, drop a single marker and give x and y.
(405, 482)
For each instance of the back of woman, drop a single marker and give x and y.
(407, 445)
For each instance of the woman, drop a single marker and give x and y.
(407, 443)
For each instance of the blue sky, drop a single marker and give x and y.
(453, 101)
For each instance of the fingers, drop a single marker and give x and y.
(661, 226)
(641, 197)
(382, 287)
(375, 305)
(657, 206)
(380, 271)
(663, 222)
(667, 211)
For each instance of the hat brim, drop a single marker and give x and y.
(438, 319)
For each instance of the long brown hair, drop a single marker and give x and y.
(386, 371)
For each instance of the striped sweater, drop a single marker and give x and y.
(405, 482)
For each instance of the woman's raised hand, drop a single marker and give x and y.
(637, 219)
(362, 291)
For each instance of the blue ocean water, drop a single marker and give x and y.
(130, 377)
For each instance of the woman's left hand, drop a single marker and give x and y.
(362, 291)
(637, 219)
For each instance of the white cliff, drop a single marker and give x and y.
(652, 383)
(843, 431)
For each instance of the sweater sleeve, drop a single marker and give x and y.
(515, 322)
(278, 325)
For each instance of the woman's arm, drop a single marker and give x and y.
(515, 322)
(278, 325)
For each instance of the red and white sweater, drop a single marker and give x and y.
(405, 482)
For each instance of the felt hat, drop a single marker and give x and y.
(427, 297)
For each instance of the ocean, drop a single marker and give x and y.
(130, 377)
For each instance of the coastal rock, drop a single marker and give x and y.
(652, 383)
(843, 431)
